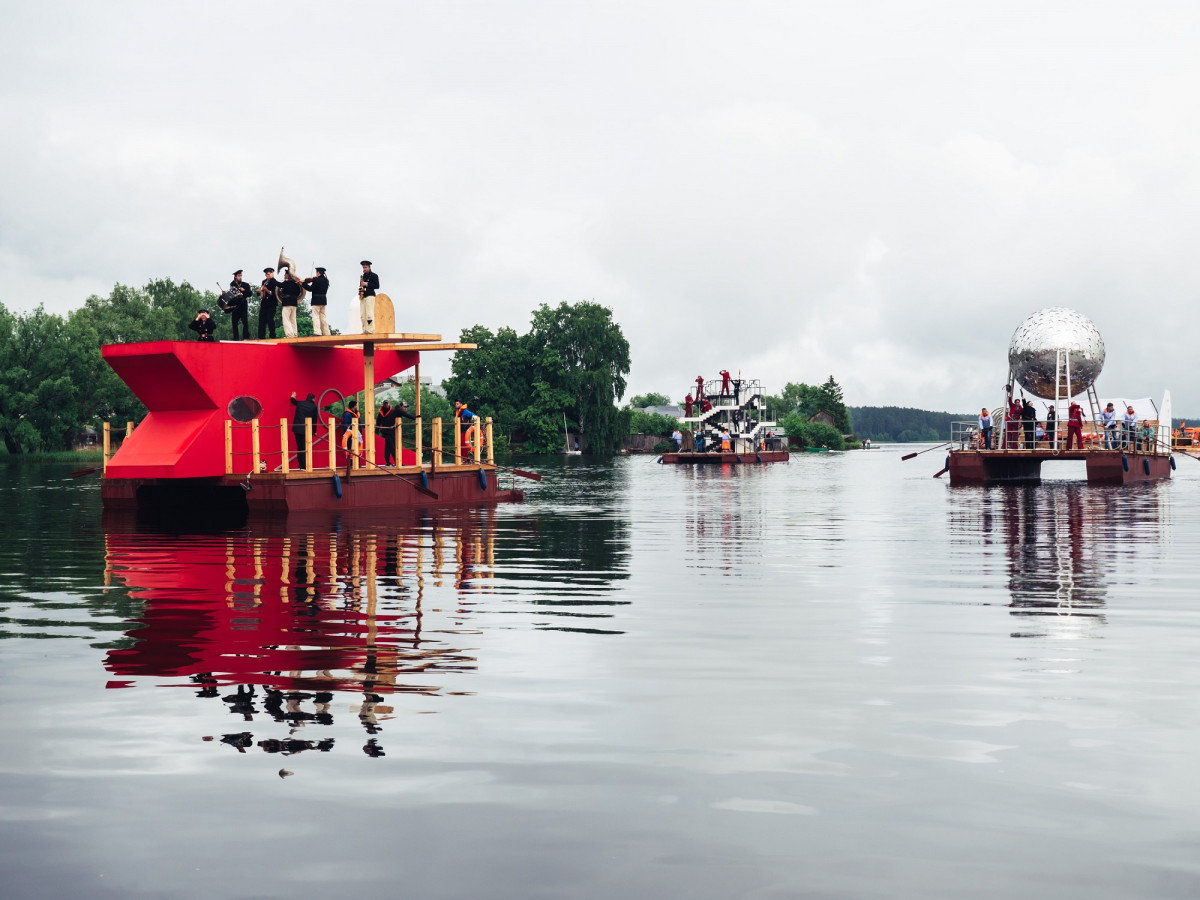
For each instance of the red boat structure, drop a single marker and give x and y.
(218, 434)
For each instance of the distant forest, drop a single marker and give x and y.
(904, 424)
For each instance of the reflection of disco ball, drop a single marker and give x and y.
(1032, 353)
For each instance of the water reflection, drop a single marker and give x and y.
(274, 618)
(1065, 546)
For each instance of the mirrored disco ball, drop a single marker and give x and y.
(1032, 353)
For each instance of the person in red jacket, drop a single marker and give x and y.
(687, 406)
(1075, 425)
(725, 383)
(699, 388)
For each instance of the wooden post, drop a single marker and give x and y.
(107, 439)
(308, 448)
(369, 399)
(128, 429)
(355, 448)
(229, 446)
(417, 448)
(435, 442)
(457, 440)
(332, 437)
(417, 391)
(477, 448)
(491, 450)
(398, 441)
(255, 461)
(284, 449)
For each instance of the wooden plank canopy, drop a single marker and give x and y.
(346, 340)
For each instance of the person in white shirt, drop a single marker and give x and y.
(1108, 421)
(1131, 421)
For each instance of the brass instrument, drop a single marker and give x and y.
(285, 263)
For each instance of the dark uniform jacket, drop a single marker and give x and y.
(269, 291)
(289, 293)
(371, 284)
(305, 409)
(204, 328)
(319, 287)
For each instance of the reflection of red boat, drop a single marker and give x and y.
(218, 432)
(326, 610)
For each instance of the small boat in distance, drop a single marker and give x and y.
(568, 448)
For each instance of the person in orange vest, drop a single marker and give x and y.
(350, 423)
(467, 448)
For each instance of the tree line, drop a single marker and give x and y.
(904, 423)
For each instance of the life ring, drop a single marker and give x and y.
(1124, 462)
(337, 485)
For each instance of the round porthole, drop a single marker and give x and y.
(244, 409)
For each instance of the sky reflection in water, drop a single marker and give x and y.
(836, 677)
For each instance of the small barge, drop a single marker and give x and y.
(726, 423)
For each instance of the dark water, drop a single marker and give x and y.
(831, 678)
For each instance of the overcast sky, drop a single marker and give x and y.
(878, 191)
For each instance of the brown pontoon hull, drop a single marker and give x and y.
(1103, 466)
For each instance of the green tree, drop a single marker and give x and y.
(641, 401)
(811, 434)
(570, 365)
(583, 354)
(651, 423)
(494, 380)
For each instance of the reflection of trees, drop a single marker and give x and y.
(1059, 547)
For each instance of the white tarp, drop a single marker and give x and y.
(1144, 407)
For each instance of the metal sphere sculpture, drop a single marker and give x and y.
(1035, 360)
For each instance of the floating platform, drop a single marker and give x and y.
(969, 466)
(219, 437)
(729, 458)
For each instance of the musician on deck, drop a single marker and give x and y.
(237, 300)
(319, 286)
(268, 293)
(289, 298)
(204, 326)
(367, 286)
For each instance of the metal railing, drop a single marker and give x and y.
(1012, 435)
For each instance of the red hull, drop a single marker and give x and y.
(273, 494)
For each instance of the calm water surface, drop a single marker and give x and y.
(832, 678)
